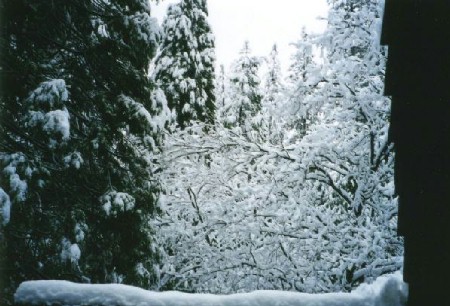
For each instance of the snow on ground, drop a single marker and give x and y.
(385, 291)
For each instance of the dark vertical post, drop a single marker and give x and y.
(417, 33)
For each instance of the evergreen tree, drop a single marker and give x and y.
(269, 124)
(79, 128)
(245, 92)
(273, 78)
(222, 95)
(184, 67)
(221, 88)
(304, 77)
(302, 59)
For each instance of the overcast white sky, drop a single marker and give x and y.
(261, 22)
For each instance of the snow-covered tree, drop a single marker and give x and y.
(245, 92)
(352, 93)
(271, 119)
(256, 217)
(302, 59)
(273, 78)
(184, 66)
(350, 152)
(80, 126)
(312, 213)
(304, 78)
(222, 93)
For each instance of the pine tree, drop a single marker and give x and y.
(304, 77)
(222, 95)
(79, 129)
(221, 88)
(302, 58)
(271, 118)
(245, 93)
(273, 78)
(184, 67)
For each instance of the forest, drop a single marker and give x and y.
(129, 155)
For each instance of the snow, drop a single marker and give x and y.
(5, 206)
(116, 202)
(385, 291)
(57, 122)
(158, 100)
(75, 252)
(145, 27)
(157, 121)
(18, 186)
(79, 232)
(50, 93)
(70, 252)
(74, 159)
(47, 111)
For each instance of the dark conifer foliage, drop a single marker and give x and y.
(78, 129)
(184, 67)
